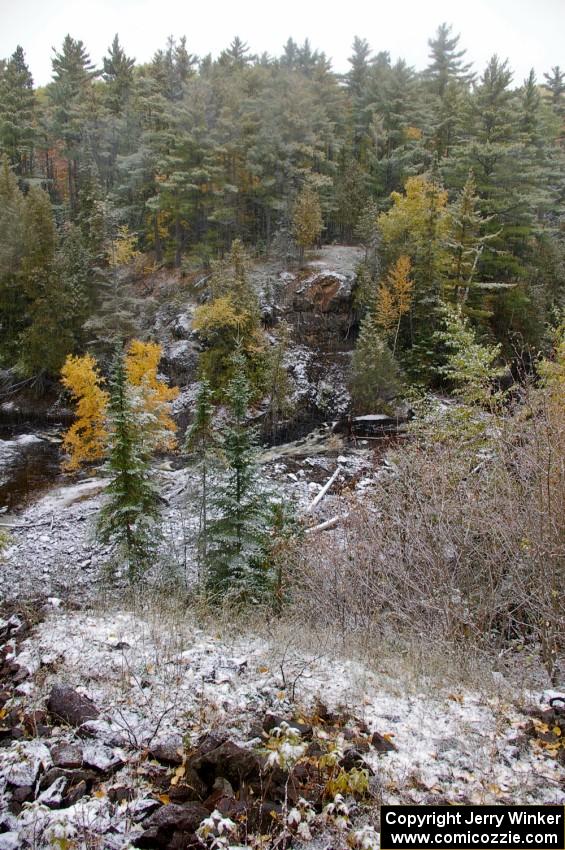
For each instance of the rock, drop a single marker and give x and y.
(191, 787)
(208, 742)
(169, 820)
(230, 761)
(23, 794)
(227, 806)
(180, 361)
(102, 758)
(73, 777)
(68, 705)
(76, 793)
(10, 841)
(66, 755)
(380, 743)
(52, 797)
(169, 751)
(273, 720)
(140, 810)
(121, 792)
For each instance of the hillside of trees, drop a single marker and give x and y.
(453, 181)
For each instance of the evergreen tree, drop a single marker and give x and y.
(17, 103)
(447, 63)
(129, 518)
(470, 367)
(201, 446)
(555, 85)
(238, 528)
(13, 305)
(375, 379)
(358, 82)
(71, 96)
(118, 74)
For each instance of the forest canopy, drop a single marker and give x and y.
(177, 158)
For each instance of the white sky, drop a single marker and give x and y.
(528, 32)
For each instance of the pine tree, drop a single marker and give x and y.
(48, 336)
(201, 446)
(71, 96)
(13, 304)
(238, 529)
(129, 518)
(118, 74)
(555, 85)
(358, 81)
(375, 379)
(17, 104)
(470, 367)
(447, 62)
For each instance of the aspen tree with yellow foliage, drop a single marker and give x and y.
(86, 439)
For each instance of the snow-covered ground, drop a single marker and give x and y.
(52, 549)
(157, 677)
(157, 680)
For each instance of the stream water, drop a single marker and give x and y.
(30, 464)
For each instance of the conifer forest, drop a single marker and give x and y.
(282, 443)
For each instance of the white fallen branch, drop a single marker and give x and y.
(329, 523)
(323, 491)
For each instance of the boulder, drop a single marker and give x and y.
(169, 751)
(68, 705)
(66, 755)
(170, 821)
(230, 761)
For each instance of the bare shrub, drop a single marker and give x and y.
(464, 543)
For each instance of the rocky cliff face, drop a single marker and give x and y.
(317, 303)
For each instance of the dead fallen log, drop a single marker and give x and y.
(329, 523)
(323, 491)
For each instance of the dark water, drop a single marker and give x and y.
(27, 468)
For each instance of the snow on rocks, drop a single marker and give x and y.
(20, 765)
(170, 682)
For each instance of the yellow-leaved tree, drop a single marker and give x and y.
(142, 362)
(394, 297)
(122, 250)
(307, 221)
(86, 438)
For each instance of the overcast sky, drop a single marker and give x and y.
(528, 32)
